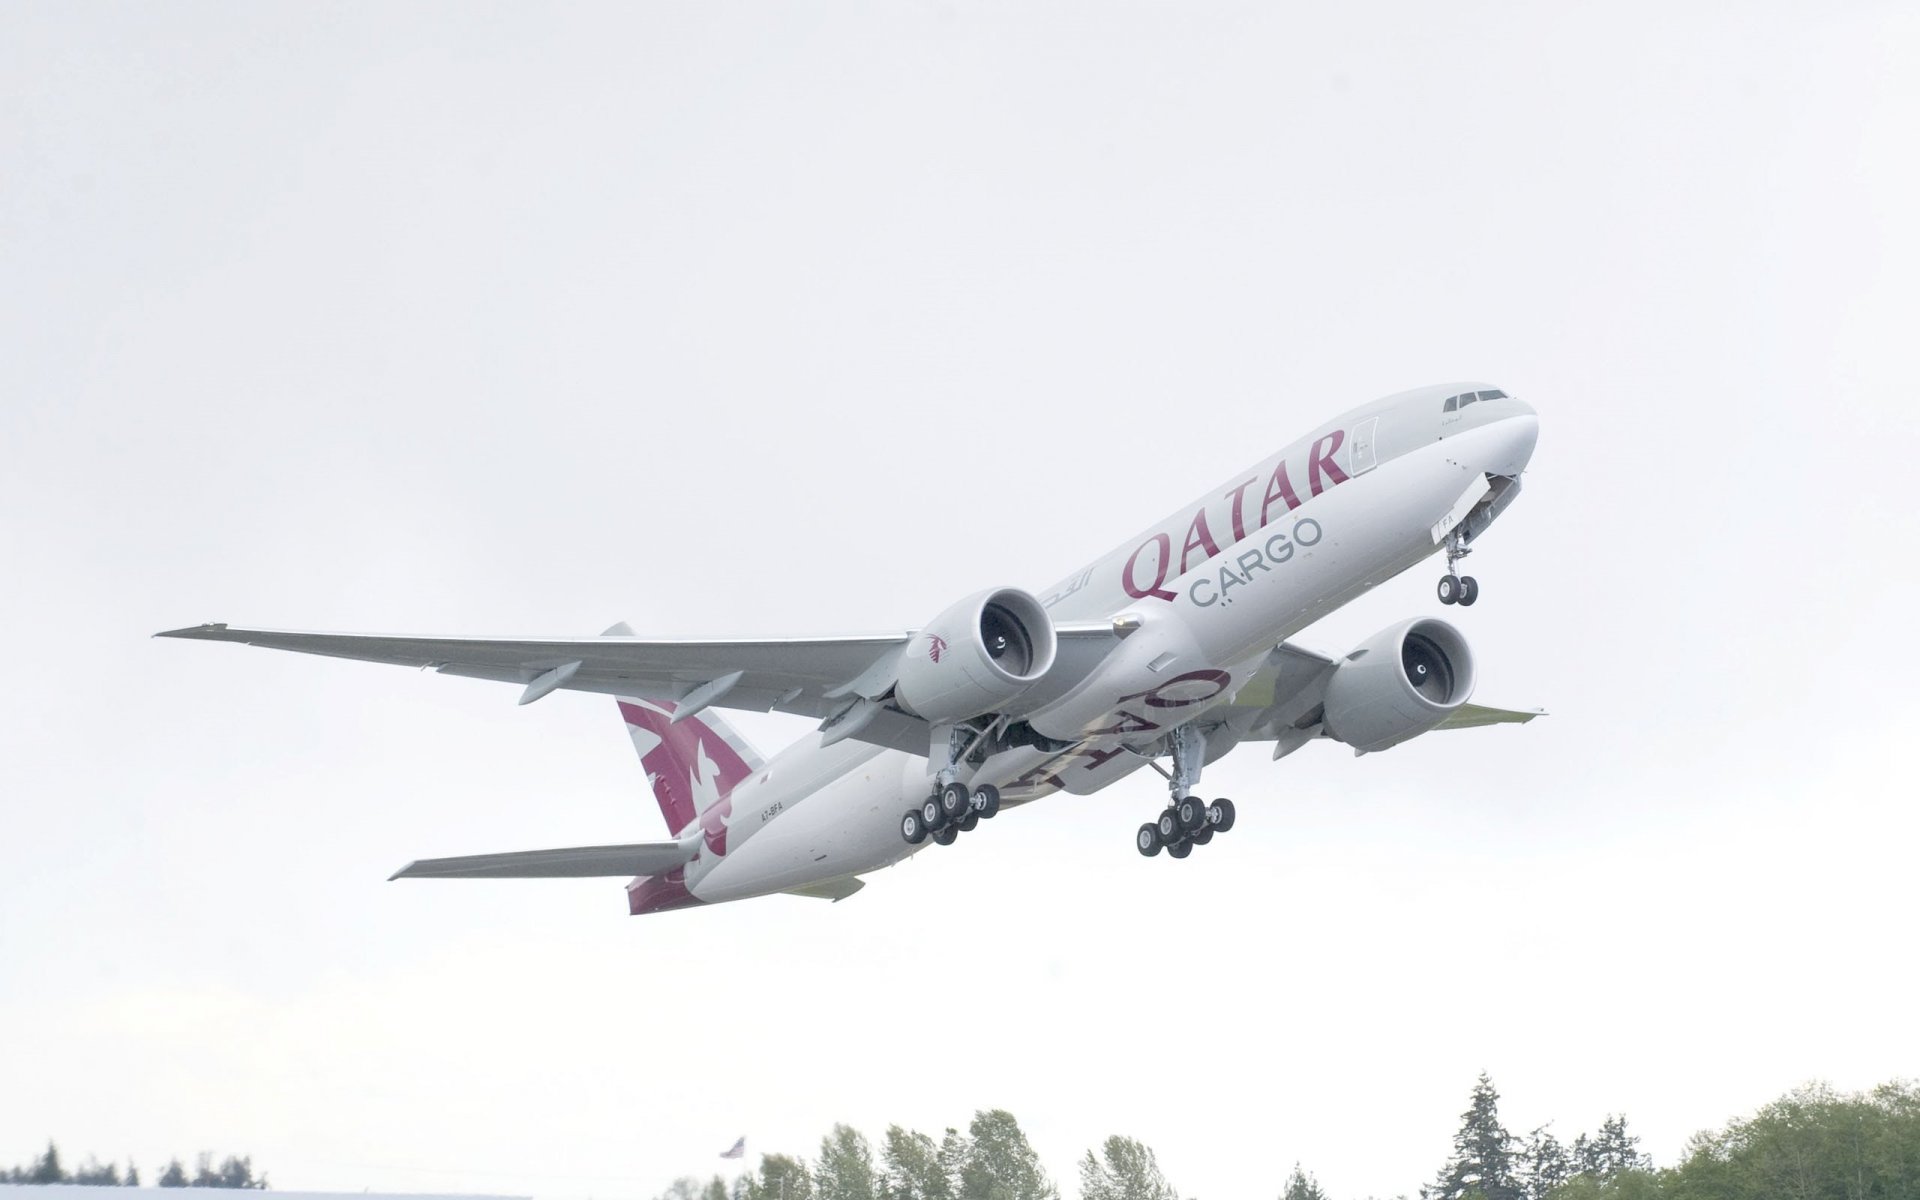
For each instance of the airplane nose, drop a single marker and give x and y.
(1518, 432)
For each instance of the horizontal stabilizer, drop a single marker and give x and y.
(575, 862)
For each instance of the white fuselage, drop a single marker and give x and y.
(1214, 587)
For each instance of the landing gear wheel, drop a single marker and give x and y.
(1449, 589)
(1147, 841)
(968, 822)
(1169, 826)
(1192, 813)
(912, 828)
(986, 801)
(930, 814)
(946, 834)
(1203, 837)
(1469, 590)
(1180, 849)
(953, 801)
(1220, 816)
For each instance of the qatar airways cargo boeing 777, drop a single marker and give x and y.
(1172, 646)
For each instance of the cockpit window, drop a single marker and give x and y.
(1453, 402)
(1492, 395)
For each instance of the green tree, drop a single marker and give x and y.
(46, 1168)
(689, 1188)
(912, 1168)
(174, 1176)
(845, 1167)
(780, 1178)
(1609, 1153)
(1302, 1186)
(92, 1174)
(999, 1163)
(1544, 1164)
(1627, 1185)
(1482, 1165)
(1811, 1144)
(1125, 1170)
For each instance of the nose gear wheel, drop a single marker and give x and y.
(1455, 588)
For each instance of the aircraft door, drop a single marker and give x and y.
(1361, 457)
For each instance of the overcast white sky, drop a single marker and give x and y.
(769, 319)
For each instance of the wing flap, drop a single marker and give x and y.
(574, 862)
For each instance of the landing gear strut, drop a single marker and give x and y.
(953, 808)
(1456, 588)
(1187, 821)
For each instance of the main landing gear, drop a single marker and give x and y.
(1456, 588)
(953, 808)
(949, 812)
(1187, 821)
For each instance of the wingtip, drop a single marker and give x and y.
(209, 631)
(402, 871)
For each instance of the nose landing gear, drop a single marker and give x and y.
(1187, 821)
(1456, 588)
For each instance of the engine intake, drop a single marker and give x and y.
(976, 657)
(1398, 684)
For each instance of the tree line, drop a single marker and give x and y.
(990, 1160)
(232, 1173)
(1812, 1144)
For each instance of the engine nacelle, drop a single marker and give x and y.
(1398, 684)
(975, 658)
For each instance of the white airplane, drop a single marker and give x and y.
(1171, 646)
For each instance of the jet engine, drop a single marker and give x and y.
(975, 658)
(1398, 684)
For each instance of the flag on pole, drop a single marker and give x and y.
(739, 1150)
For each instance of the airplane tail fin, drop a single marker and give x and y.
(691, 764)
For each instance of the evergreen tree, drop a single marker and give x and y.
(999, 1164)
(1483, 1154)
(47, 1168)
(1125, 1170)
(133, 1174)
(845, 1168)
(1609, 1153)
(912, 1168)
(174, 1176)
(1544, 1164)
(92, 1174)
(1302, 1186)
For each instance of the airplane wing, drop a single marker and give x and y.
(819, 677)
(1281, 702)
(578, 862)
